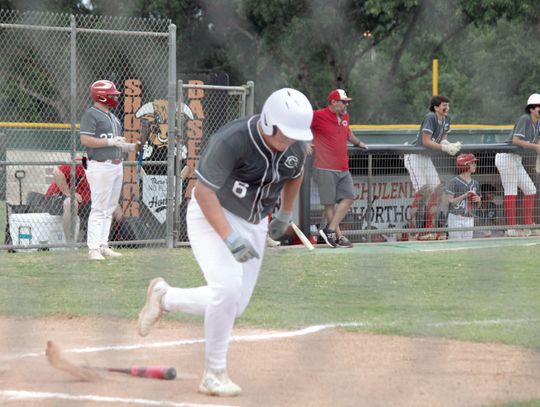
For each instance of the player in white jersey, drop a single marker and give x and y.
(248, 164)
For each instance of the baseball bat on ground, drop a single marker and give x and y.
(92, 373)
(302, 237)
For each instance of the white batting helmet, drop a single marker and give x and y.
(534, 99)
(290, 111)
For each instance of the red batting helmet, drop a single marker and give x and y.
(101, 91)
(464, 160)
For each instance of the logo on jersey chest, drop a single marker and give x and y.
(291, 162)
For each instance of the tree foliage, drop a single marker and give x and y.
(381, 51)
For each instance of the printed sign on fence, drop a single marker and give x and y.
(154, 191)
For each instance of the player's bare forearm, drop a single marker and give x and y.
(60, 180)
(289, 192)
(93, 142)
(355, 141)
(429, 143)
(212, 209)
(525, 144)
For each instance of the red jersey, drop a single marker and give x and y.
(81, 184)
(330, 135)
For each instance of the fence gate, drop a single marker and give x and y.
(202, 110)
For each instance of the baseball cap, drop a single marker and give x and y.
(338, 94)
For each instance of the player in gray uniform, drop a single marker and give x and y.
(101, 134)
(433, 134)
(513, 175)
(463, 198)
(248, 164)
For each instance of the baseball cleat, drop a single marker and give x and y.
(106, 251)
(217, 383)
(153, 309)
(344, 242)
(329, 237)
(95, 254)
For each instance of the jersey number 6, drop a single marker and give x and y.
(240, 189)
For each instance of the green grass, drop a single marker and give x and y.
(400, 292)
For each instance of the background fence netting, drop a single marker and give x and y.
(48, 63)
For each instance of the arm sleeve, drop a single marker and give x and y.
(88, 124)
(430, 124)
(216, 164)
(520, 130)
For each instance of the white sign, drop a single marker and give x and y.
(391, 200)
(154, 191)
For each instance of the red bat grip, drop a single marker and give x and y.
(156, 372)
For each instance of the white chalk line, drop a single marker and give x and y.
(475, 247)
(279, 335)
(13, 395)
(26, 395)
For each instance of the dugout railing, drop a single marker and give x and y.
(382, 210)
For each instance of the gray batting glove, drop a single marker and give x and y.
(279, 224)
(127, 147)
(240, 247)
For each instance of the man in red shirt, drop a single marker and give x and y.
(331, 132)
(57, 197)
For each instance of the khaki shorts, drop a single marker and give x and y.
(333, 185)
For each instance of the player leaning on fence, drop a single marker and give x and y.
(101, 134)
(433, 134)
(513, 175)
(247, 165)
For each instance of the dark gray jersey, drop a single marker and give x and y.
(525, 129)
(100, 124)
(245, 174)
(431, 125)
(458, 186)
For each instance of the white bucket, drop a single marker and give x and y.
(37, 228)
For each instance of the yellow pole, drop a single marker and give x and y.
(435, 78)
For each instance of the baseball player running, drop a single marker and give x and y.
(513, 175)
(101, 134)
(462, 194)
(247, 165)
(433, 134)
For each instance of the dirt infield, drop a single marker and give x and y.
(327, 368)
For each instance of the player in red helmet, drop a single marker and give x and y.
(462, 195)
(101, 135)
(105, 92)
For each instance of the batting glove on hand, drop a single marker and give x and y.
(240, 247)
(127, 147)
(116, 141)
(279, 224)
(451, 148)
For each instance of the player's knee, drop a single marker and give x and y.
(227, 296)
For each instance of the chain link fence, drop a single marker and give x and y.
(206, 108)
(48, 63)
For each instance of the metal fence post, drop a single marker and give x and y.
(171, 133)
(250, 97)
(73, 123)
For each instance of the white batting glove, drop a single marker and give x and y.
(116, 141)
(451, 148)
(127, 147)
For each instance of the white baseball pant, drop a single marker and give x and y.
(513, 174)
(229, 286)
(458, 221)
(105, 180)
(421, 171)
